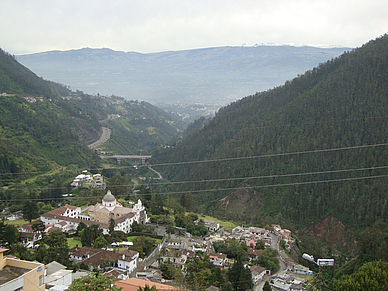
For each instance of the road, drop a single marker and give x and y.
(104, 137)
(282, 264)
(160, 177)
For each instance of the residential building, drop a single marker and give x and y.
(57, 274)
(20, 275)
(125, 260)
(218, 259)
(257, 274)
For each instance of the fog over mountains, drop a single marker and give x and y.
(211, 75)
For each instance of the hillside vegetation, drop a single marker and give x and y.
(45, 125)
(322, 135)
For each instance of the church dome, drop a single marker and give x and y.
(109, 197)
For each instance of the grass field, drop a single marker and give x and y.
(17, 222)
(228, 225)
(72, 242)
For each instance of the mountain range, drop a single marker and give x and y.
(216, 75)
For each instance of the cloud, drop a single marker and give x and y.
(154, 25)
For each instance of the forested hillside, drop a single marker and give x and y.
(15, 78)
(315, 146)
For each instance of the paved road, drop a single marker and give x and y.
(160, 177)
(104, 137)
(282, 264)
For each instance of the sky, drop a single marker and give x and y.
(29, 26)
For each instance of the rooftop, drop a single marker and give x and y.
(9, 273)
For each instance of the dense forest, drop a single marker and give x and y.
(313, 147)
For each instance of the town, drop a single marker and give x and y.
(168, 248)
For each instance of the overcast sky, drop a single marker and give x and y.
(28, 26)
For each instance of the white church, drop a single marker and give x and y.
(68, 217)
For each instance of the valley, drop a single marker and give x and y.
(304, 163)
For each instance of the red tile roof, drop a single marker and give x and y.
(133, 284)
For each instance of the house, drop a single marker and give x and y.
(179, 243)
(18, 274)
(56, 274)
(253, 253)
(257, 273)
(218, 259)
(133, 284)
(251, 243)
(116, 274)
(298, 269)
(212, 226)
(125, 260)
(14, 216)
(28, 235)
(151, 274)
(178, 257)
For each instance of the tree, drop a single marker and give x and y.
(267, 286)
(8, 234)
(38, 227)
(239, 276)
(100, 242)
(80, 227)
(93, 283)
(147, 288)
(136, 227)
(260, 245)
(111, 226)
(199, 272)
(89, 235)
(371, 276)
(144, 245)
(53, 247)
(30, 210)
(168, 270)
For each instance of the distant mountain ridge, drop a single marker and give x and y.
(216, 75)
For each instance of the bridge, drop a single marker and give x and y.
(118, 158)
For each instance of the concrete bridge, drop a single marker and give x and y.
(118, 158)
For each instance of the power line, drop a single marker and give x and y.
(271, 176)
(271, 155)
(223, 179)
(212, 190)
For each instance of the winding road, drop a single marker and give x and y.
(104, 137)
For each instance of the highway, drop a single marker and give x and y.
(104, 137)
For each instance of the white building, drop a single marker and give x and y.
(68, 217)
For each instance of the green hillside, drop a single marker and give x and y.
(17, 79)
(44, 125)
(140, 128)
(340, 104)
